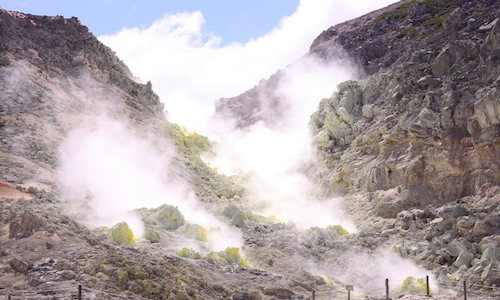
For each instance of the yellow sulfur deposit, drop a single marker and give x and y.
(337, 230)
(188, 253)
(231, 256)
(122, 234)
(196, 232)
(413, 285)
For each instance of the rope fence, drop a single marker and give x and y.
(79, 292)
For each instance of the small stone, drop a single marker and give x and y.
(429, 82)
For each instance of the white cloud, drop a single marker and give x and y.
(189, 71)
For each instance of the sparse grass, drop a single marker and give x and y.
(479, 10)
(439, 7)
(405, 32)
(434, 22)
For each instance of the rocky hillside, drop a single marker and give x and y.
(413, 146)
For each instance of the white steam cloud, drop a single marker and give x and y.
(275, 158)
(189, 71)
(108, 170)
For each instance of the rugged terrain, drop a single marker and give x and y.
(413, 146)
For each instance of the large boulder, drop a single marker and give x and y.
(464, 258)
(25, 226)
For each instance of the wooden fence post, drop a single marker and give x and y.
(387, 289)
(427, 286)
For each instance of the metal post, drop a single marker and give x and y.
(387, 289)
(465, 290)
(348, 295)
(314, 295)
(79, 292)
(427, 285)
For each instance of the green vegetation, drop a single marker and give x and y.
(231, 256)
(439, 7)
(434, 22)
(414, 285)
(405, 31)
(479, 10)
(188, 253)
(122, 234)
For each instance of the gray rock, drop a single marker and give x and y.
(490, 253)
(489, 271)
(427, 118)
(237, 217)
(455, 248)
(345, 115)
(453, 211)
(464, 258)
(488, 26)
(367, 111)
(429, 82)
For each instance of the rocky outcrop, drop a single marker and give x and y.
(421, 132)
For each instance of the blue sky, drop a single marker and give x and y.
(232, 20)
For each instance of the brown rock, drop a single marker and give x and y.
(19, 266)
(25, 227)
(280, 293)
(464, 227)
(484, 227)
